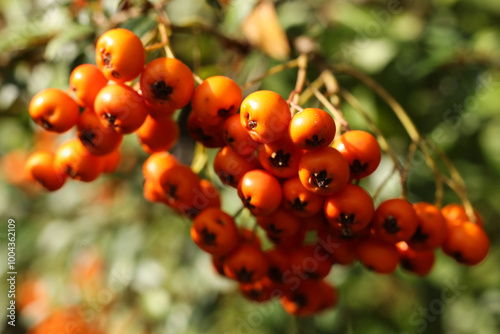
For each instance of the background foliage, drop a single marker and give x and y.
(133, 263)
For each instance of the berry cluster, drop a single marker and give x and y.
(294, 173)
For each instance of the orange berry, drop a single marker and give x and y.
(158, 135)
(312, 128)
(260, 192)
(394, 220)
(73, 159)
(467, 243)
(86, 81)
(97, 139)
(40, 168)
(54, 110)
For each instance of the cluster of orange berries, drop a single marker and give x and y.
(296, 179)
(289, 170)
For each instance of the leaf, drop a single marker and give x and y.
(263, 29)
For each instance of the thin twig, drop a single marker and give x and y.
(273, 70)
(344, 125)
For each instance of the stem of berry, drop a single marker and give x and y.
(337, 114)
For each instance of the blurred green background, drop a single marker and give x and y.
(438, 58)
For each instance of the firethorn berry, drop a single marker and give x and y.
(167, 84)
(120, 108)
(230, 166)
(467, 243)
(315, 222)
(156, 164)
(215, 99)
(111, 161)
(350, 210)
(394, 220)
(280, 158)
(279, 263)
(246, 235)
(361, 151)
(304, 300)
(329, 295)
(377, 255)
(311, 262)
(211, 196)
(259, 291)
(260, 192)
(85, 82)
(454, 213)
(341, 250)
(215, 232)
(312, 128)
(158, 135)
(290, 242)
(281, 223)
(54, 110)
(120, 55)
(153, 193)
(323, 171)
(237, 137)
(210, 137)
(97, 139)
(265, 115)
(299, 200)
(40, 168)
(431, 229)
(419, 263)
(75, 160)
(246, 264)
(181, 186)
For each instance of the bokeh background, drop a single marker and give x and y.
(132, 265)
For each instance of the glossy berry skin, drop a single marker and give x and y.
(281, 223)
(230, 166)
(265, 115)
(181, 186)
(120, 108)
(158, 135)
(455, 213)
(120, 55)
(215, 232)
(75, 160)
(237, 137)
(97, 139)
(209, 136)
(54, 110)
(418, 263)
(280, 158)
(299, 200)
(377, 255)
(361, 150)
(167, 84)
(246, 264)
(156, 164)
(431, 229)
(40, 168)
(467, 243)
(394, 220)
(85, 82)
(323, 171)
(260, 192)
(312, 128)
(349, 211)
(216, 99)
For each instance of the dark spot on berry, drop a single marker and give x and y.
(224, 112)
(87, 137)
(45, 124)
(279, 159)
(320, 179)
(275, 274)
(315, 142)
(407, 264)
(115, 74)
(311, 274)
(299, 300)
(273, 229)
(172, 192)
(419, 236)
(70, 171)
(459, 257)
(299, 205)
(161, 91)
(220, 222)
(247, 203)
(201, 136)
(254, 293)
(252, 124)
(244, 275)
(106, 58)
(228, 138)
(391, 225)
(208, 237)
(357, 167)
(226, 177)
(110, 118)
